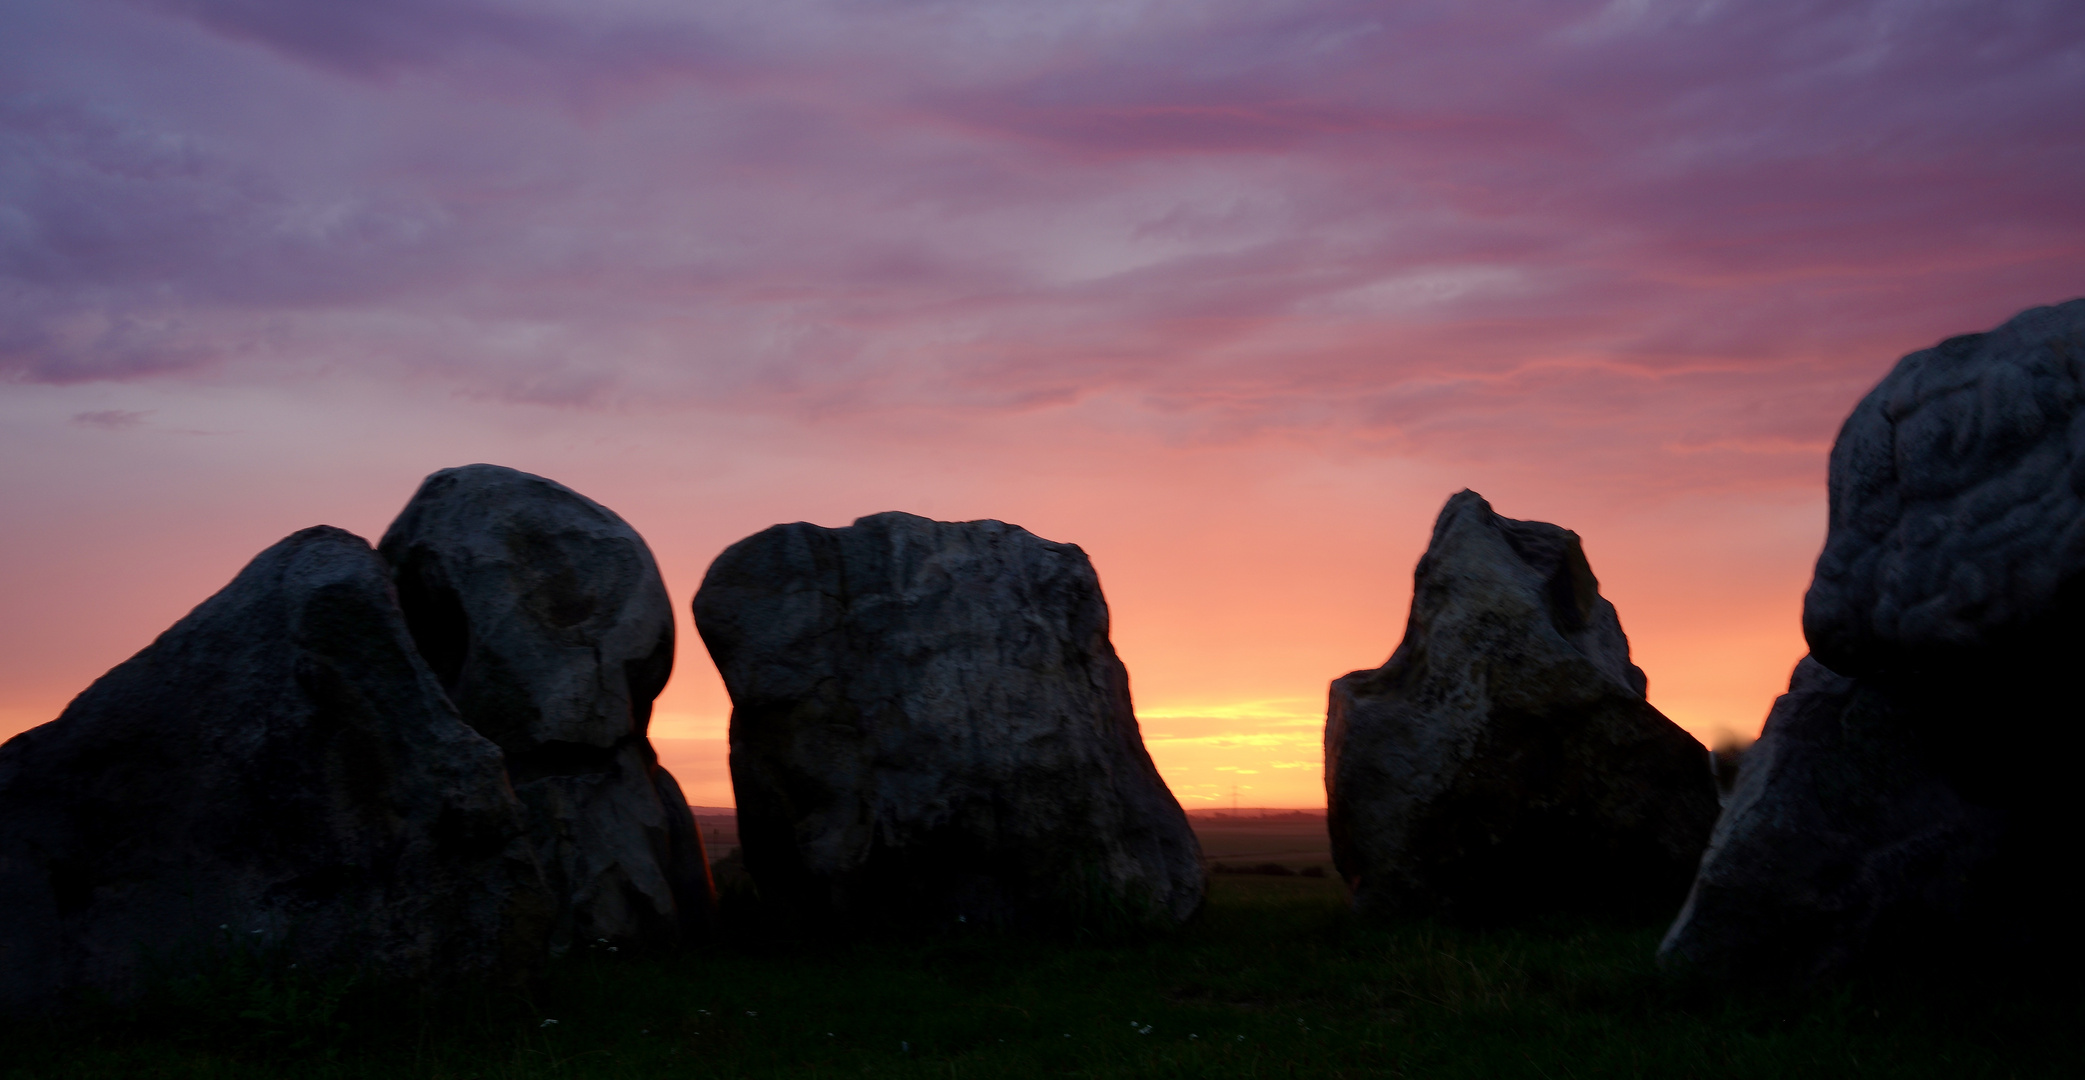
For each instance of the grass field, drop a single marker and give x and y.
(1275, 979)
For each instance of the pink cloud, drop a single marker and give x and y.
(580, 49)
(111, 419)
(1428, 229)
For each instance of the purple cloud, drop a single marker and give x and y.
(111, 419)
(593, 46)
(1425, 228)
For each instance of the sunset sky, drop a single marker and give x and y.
(1232, 294)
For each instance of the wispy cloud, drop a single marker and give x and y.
(1673, 235)
(1239, 739)
(1272, 709)
(111, 419)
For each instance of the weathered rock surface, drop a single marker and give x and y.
(1503, 762)
(1958, 505)
(929, 723)
(1915, 793)
(1839, 842)
(545, 619)
(278, 771)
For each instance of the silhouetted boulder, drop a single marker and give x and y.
(1953, 572)
(929, 723)
(1920, 790)
(1839, 841)
(1503, 762)
(544, 617)
(1958, 507)
(278, 772)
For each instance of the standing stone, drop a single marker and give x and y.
(1919, 799)
(278, 772)
(1957, 530)
(1504, 762)
(1839, 841)
(929, 724)
(1953, 571)
(544, 617)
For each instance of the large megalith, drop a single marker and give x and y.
(1918, 792)
(1839, 840)
(1957, 521)
(929, 724)
(279, 773)
(546, 621)
(1953, 570)
(1504, 762)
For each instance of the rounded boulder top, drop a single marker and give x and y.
(1957, 500)
(509, 578)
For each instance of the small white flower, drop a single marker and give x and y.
(962, 918)
(1241, 1038)
(1145, 1030)
(545, 1024)
(750, 1012)
(1192, 1035)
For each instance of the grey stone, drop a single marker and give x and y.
(278, 772)
(1840, 843)
(544, 617)
(1958, 505)
(929, 724)
(1504, 763)
(1915, 793)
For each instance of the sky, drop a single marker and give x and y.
(1231, 294)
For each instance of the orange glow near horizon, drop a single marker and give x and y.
(1231, 641)
(1241, 578)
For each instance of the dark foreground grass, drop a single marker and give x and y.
(1275, 979)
